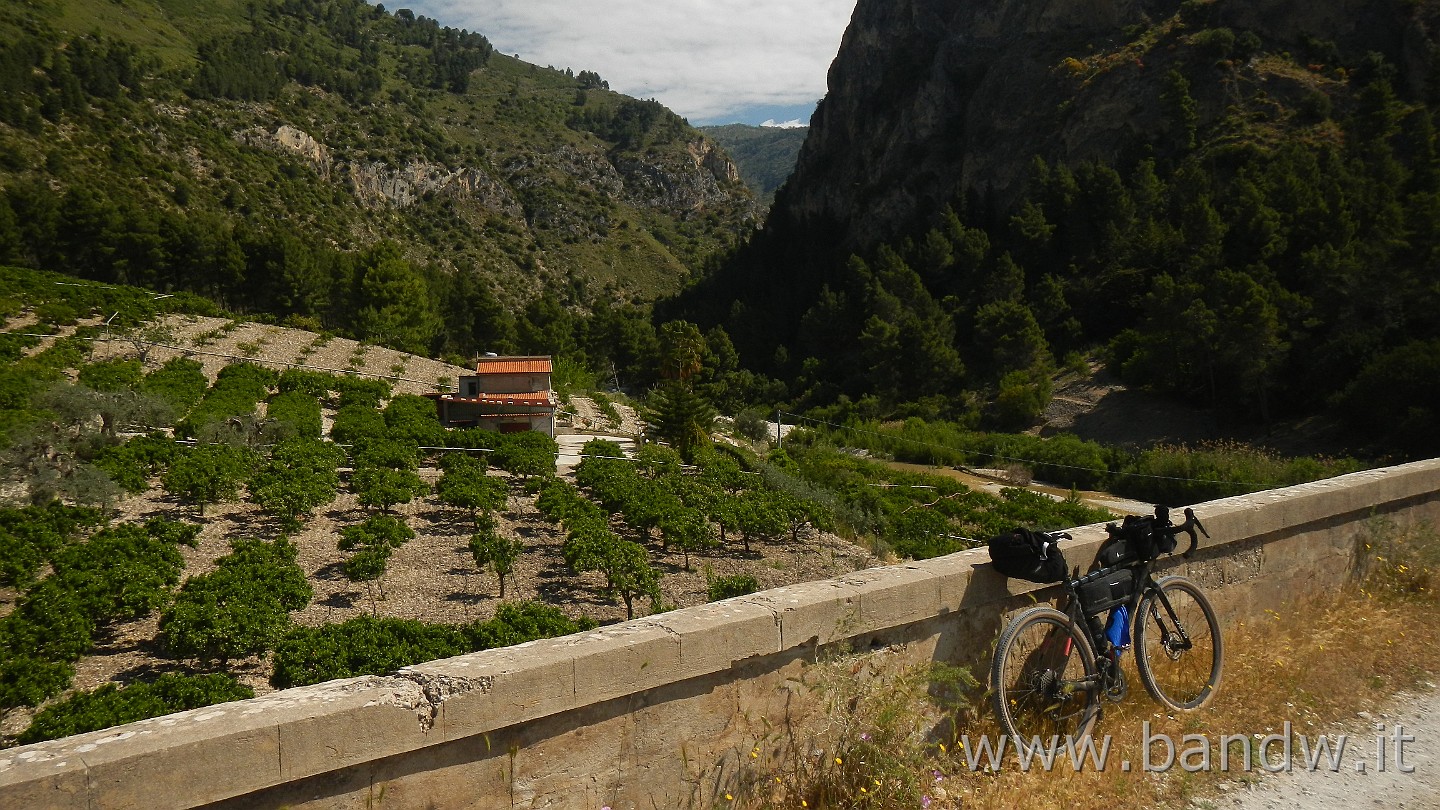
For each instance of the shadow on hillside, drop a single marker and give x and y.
(150, 670)
(560, 588)
(331, 571)
(445, 522)
(340, 600)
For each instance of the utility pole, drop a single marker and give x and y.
(779, 437)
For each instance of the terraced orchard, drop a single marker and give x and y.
(195, 520)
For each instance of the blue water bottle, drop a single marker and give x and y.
(1117, 629)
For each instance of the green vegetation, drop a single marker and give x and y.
(465, 485)
(368, 646)
(727, 587)
(110, 705)
(114, 172)
(498, 553)
(1162, 474)
(120, 573)
(241, 608)
(209, 473)
(300, 476)
(1259, 249)
(371, 543)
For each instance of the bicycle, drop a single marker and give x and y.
(1052, 668)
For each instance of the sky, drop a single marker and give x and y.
(711, 61)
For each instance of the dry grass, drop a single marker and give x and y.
(891, 741)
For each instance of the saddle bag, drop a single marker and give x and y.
(1029, 555)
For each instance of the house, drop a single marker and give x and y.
(505, 394)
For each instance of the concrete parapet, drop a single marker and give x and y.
(651, 710)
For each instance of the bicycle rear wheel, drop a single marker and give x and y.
(1044, 682)
(1178, 652)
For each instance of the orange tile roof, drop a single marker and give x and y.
(513, 365)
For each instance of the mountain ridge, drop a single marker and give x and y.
(339, 123)
(1224, 203)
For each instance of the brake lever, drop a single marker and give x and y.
(1190, 517)
(1189, 526)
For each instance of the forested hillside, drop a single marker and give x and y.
(346, 167)
(1231, 205)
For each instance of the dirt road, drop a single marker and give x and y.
(1359, 782)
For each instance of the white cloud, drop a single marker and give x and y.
(793, 123)
(702, 58)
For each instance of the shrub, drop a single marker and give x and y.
(181, 382)
(370, 646)
(359, 391)
(1178, 475)
(209, 473)
(385, 487)
(112, 706)
(125, 571)
(237, 389)
(410, 418)
(302, 474)
(111, 375)
(526, 454)
(30, 535)
(466, 486)
(241, 608)
(314, 383)
(132, 464)
(736, 585)
(361, 646)
(298, 409)
(356, 425)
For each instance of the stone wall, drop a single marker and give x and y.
(658, 712)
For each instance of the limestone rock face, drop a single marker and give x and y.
(933, 100)
(707, 178)
(684, 182)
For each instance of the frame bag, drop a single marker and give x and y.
(1029, 555)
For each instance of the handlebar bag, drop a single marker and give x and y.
(1141, 538)
(1028, 555)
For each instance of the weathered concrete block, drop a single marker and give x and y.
(180, 760)
(493, 689)
(952, 574)
(894, 595)
(33, 778)
(714, 636)
(1234, 518)
(391, 716)
(812, 612)
(624, 659)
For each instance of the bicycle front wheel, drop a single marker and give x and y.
(1178, 651)
(1044, 682)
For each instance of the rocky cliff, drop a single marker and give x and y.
(933, 101)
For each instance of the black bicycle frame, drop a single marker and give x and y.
(1077, 611)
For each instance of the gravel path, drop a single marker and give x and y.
(1358, 783)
